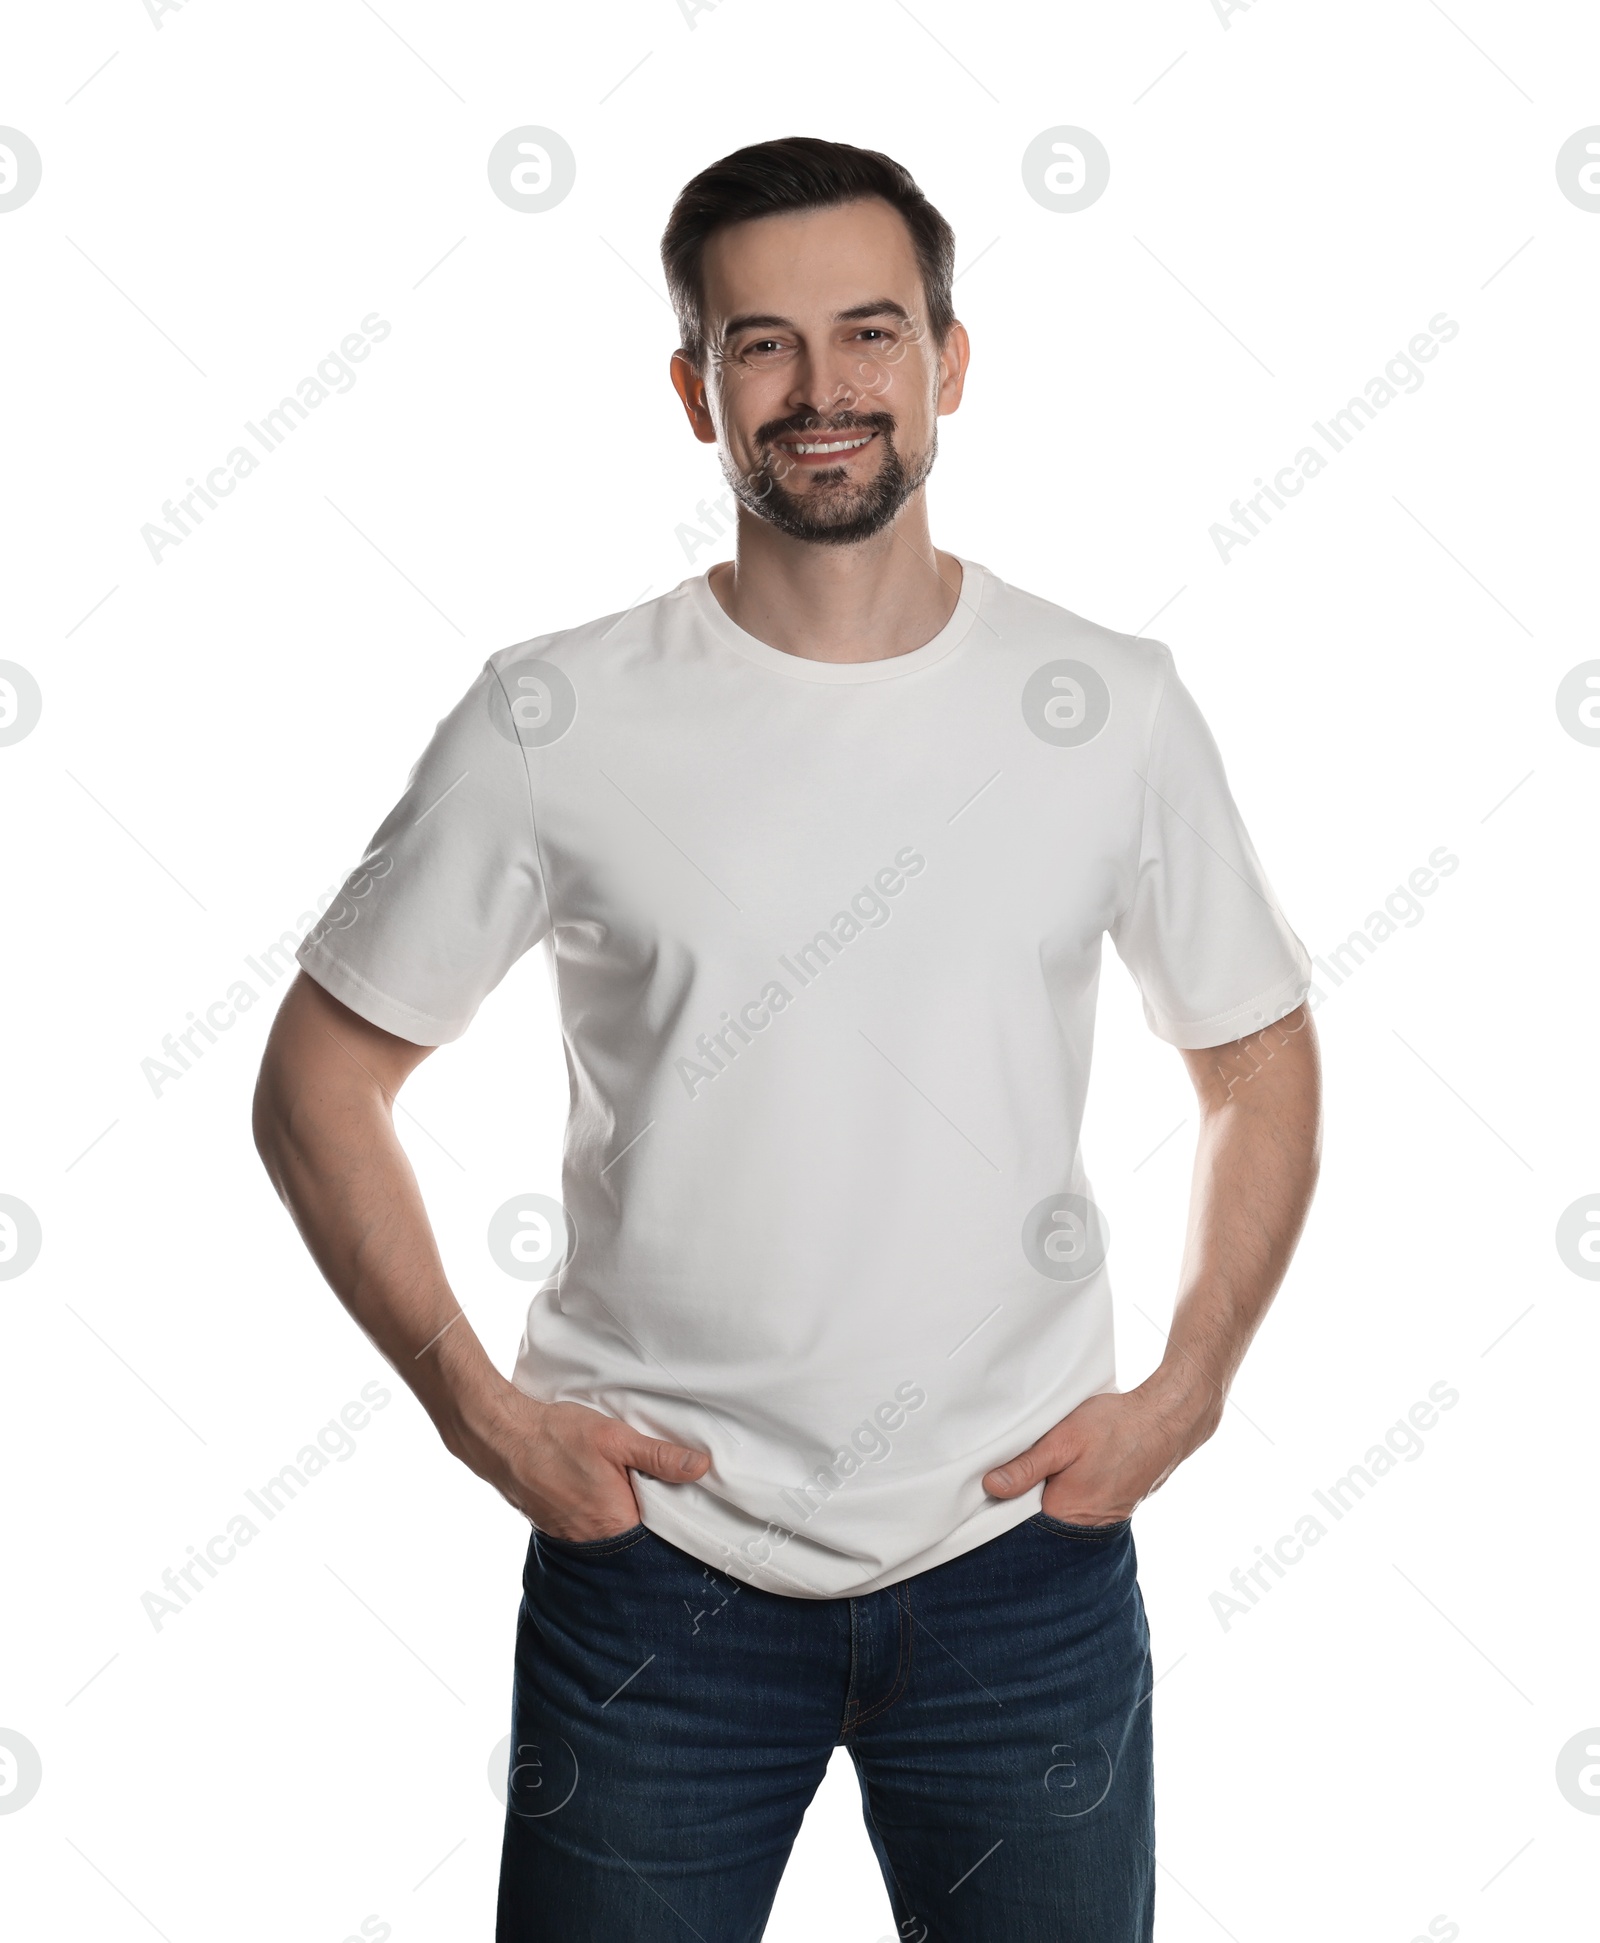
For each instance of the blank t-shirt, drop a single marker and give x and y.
(827, 941)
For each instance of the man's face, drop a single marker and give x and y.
(822, 385)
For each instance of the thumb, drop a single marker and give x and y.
(1018, 1474)
(656, 1457)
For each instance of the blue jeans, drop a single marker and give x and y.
(670, 1725)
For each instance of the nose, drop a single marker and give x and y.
(833, 379)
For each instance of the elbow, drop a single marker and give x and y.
(268, 1118)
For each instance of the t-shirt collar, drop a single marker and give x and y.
(974, 584)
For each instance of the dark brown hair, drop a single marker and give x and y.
(799, 172)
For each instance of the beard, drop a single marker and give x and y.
(831, 512)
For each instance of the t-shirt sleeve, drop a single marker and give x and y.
(449, 893)
(1213, 956)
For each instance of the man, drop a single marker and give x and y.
(816, 1421)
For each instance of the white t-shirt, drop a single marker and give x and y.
(826, 940)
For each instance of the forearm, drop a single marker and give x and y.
(1255, 1171)
(335, 1160)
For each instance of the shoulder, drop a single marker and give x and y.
(1037, 633)
(607, 643)
(535, 690)
(1030, 623)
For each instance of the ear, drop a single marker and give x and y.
(691, 388)
(954, 355)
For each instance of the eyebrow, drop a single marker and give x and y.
(857, 313)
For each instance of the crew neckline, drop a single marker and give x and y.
(974, 585)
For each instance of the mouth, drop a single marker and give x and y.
(822, 451)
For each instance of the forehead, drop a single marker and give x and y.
(808, 265)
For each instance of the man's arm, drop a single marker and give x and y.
(1254, 1172)
(324, 1128)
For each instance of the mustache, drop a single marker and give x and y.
(811, 422)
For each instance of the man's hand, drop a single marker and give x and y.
(1103, 1458)
(565, 1467)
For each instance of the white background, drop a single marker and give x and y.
(1294, 193)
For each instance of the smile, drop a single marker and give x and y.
(814, 449)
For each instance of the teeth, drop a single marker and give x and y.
(840, 445)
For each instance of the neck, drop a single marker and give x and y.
(882, 597)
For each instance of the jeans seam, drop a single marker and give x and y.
(1097, 1534)
(596, 1548)
(866, 1799)
(905, 1638)
(851, 1704)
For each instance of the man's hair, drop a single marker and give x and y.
(800, 172)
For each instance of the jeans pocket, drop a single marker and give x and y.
(1094, 1533)
(590, 1547)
